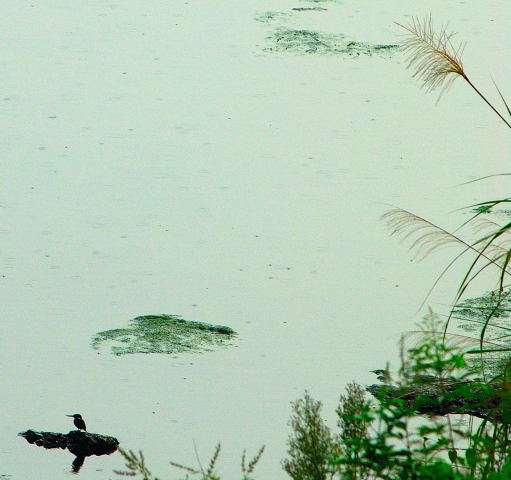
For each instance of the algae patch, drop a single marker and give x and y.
(488, 315)
(473, 313)
(309, 9)
(163, 334)
(311, 42)
(268, 17)
(491, 209)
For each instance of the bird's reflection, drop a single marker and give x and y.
(77, 464)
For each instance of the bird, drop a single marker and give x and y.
(383, 375)
(78, 421)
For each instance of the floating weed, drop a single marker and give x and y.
(311, 42)
(321, 1)
(268, 17)
(485, 209)
(163, 334)
(309, 9)
(477, 308)
(489, 313)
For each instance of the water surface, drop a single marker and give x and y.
(157, 159)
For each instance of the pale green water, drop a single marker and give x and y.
(156, 159)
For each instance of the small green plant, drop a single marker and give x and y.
(248, 468)
(311, 444)
(135, 465)
(353, 420)
(206, 474)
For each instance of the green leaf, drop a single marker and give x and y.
(471, 457)
(453, 455)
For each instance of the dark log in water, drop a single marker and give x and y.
(79, 443)
(441, 397)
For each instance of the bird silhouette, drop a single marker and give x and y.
(78, 421)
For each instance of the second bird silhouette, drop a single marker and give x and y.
(78, 421)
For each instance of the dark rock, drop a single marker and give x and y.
(79, 443)
(442, 397)
(85, 444)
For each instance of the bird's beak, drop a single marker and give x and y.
(69, 415)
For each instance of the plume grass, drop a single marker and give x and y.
(437, 60)
(490, 250)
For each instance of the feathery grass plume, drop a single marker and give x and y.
(452, 340)
(498, 251)
(428, 236)
(431, 237)
(436, 61)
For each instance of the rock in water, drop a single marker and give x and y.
(79, 443)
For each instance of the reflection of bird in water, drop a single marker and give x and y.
(77, 464)
(78, 421)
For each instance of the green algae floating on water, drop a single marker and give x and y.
(311, 42)
(489, 315)
(309, 9)
(472, 313)
(491, 209)
(168, 334)
(268, 17)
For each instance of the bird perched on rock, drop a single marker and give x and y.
(78, 421)
(382, 375)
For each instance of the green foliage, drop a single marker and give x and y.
(432, 356)
(387, 440)
(353, 419)
(311, 445)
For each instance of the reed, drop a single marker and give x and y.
(437, 61)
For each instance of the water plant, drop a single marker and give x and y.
(437, 63)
